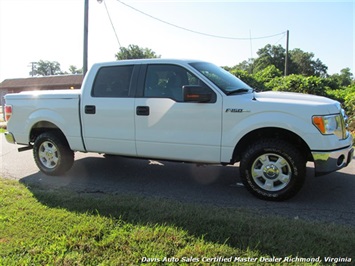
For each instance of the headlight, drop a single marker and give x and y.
(330, 124)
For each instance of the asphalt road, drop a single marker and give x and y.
(328, 198)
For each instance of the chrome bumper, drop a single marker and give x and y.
(10, 137)
(327, 162)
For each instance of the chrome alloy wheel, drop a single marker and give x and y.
(271, 172)
(48, 154)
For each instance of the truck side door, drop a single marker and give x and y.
(169, 128)
(108, 111)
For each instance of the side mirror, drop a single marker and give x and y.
(195, 93)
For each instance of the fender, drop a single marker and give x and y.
(233, 133)
(67, 122)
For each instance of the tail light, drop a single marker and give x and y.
(8, 112)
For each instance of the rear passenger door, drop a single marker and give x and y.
(108, 113)
(169, 128)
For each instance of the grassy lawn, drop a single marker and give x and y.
(39, 227)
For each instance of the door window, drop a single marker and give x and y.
(166, 81)
(112, 82)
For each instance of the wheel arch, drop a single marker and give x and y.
(271, 132)
(45, 126)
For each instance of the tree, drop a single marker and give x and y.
(246, 65)
(320, 69)
(345, 78)
(270, 55)
(74, 70)
(135, 52)
(302, 63)
(46, 68)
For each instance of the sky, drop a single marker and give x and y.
(33, 30)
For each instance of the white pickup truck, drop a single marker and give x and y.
(187, 111)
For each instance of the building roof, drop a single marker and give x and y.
(47, 82)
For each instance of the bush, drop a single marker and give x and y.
(247, 78)
(298, 83)
(266, 75)
(346, 96)
(270, 78)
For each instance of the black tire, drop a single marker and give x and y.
(273, 169)
(52, 153)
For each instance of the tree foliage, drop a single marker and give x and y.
(345, 78)
(74, 70)
(302, 63)
(45, 68)
(298, 83)
(306, 75)
(50, 68)
(270, 55)
(135, 52)
(299, 62)
(266, 75)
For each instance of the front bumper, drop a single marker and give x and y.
(327, 162)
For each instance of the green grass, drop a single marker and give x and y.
(56, 227)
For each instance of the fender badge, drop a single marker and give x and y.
(236, 110)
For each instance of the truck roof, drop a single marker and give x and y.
(147, 61)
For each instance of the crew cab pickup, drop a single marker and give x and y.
(187, 111)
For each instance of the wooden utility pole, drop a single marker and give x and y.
(32, 68)
(86, 30)
(286, 57)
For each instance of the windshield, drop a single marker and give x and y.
(224, 80)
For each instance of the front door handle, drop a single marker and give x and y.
(142, 110)
(90, 109)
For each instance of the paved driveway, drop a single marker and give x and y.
(328, 198)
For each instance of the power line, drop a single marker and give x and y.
(113, 27)
(283, 36)
(198, 32)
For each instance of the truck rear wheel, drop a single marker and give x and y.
(52, 154)
(273, 169)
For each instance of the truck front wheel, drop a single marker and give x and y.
(273, 169)
(52, 154)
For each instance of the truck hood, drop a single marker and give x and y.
(298, 100)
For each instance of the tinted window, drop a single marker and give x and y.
(221, 78)
(112, 81)
(166, 81)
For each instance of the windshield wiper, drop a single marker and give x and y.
(237, 91)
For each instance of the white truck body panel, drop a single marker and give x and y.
(179, 131)
(59, 107)
(112, 129)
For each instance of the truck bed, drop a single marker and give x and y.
(38, 109)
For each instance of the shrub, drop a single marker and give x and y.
(299, 83)
(346, 96)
